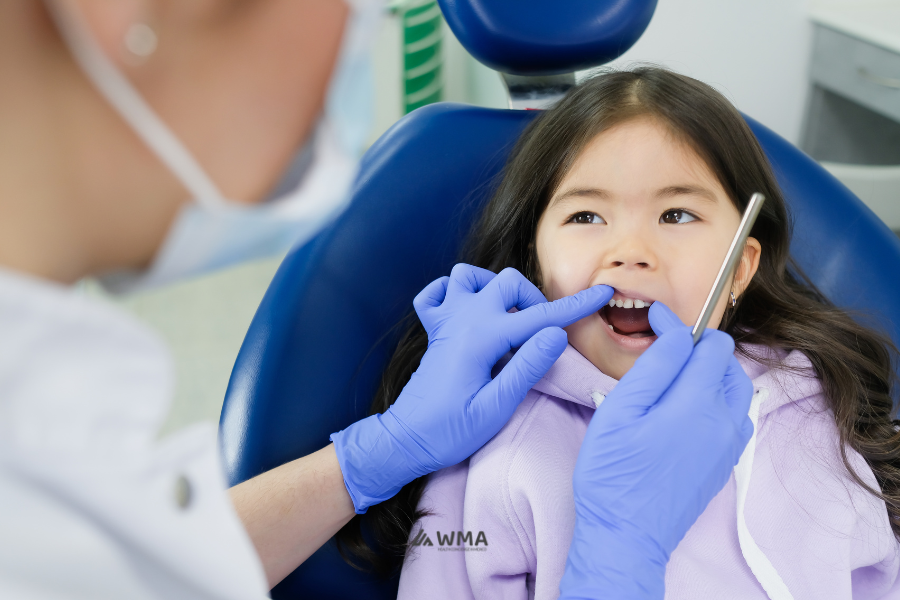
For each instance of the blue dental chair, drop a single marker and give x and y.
(315, 350)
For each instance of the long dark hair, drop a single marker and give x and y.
(779, 309)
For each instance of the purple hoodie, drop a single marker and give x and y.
(799, 528)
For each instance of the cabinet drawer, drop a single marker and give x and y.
(867, 74)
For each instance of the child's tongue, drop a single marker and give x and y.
(629, 320)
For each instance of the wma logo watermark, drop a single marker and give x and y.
(454, 541)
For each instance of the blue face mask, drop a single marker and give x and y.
(212, 232)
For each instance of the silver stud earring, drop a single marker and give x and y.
(733, 300)
(141, 41)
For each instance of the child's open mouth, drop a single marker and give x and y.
(628, 321)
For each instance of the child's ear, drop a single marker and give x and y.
(747, 267)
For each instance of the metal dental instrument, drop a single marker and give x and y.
(731, 260)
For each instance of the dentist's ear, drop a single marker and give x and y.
(662, 319)
(747, 267)
(111, 22)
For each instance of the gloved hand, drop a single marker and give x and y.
(657, 450)
(451, 407)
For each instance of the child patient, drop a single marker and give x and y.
(638, 180)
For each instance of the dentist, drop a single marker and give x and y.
(138, 140)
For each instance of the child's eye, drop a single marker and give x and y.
(676, 216)
(586, 218)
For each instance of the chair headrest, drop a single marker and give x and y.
(547, 37)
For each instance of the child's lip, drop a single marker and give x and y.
(639, 344)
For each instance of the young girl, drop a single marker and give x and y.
(637, 180)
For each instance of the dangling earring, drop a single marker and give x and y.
(733, 300)
(141, 41)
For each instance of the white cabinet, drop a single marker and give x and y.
(852, 123)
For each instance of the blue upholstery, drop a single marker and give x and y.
(547, 38)
(848, 252)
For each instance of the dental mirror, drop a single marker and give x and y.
(728, 266)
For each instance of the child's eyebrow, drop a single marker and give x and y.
(661, 194)
(580, 193)
(679, 190)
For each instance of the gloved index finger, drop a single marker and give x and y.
(559, 313)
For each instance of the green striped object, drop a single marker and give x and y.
(423, 80)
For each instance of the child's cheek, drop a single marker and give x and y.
(687, 311)
(559, 278)
(566, 266)
(692, 294)
(571, 275)
(716, 319)
(549, 287)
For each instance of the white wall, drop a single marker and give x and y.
(756, 52)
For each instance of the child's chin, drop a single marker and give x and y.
(618, 369)
(614, 362)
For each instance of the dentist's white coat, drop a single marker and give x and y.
(86, 488)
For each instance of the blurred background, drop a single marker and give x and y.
(824, 75)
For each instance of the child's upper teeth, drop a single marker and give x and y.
(629, 303)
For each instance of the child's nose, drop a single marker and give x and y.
(631, 253)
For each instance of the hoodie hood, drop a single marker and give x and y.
(576, 379)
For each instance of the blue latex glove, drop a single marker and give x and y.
(657, 450)
(451, 407)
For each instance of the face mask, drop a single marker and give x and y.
(212, 232)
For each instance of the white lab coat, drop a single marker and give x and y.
(92, 505)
